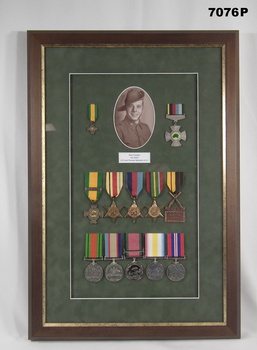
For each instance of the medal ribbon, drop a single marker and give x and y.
(93, 185)
(175, 245)
(92, 112)
(134, 183)
(114, 183)
(174, 181)
(155, 245)
(113, 245)
(174, 108)
(134, 245)
(93, 245)
(154, 183)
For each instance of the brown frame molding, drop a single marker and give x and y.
(229, 40)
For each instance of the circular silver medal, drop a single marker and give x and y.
(155, 271)
(93, 272)
(176, 272)
(114, 272)
(134, 271)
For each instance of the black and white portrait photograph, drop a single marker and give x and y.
(134, 117)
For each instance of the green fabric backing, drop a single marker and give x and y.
(197, 298)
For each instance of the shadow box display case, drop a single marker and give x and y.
(133, 185)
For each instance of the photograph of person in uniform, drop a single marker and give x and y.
(134, 117)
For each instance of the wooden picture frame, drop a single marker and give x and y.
(62, 66)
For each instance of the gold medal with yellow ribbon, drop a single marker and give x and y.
(92, 114)
(93, 190)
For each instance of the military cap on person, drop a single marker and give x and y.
(132, 96)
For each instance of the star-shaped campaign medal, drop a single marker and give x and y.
(154, 211)
(134, 211)
(113, 212)
(93, 214)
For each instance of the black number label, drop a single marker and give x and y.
(228, 11)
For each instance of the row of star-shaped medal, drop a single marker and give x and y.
(116, 246)
(154, 182)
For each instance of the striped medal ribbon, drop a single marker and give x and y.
(113, 185)
(93, 251)
(174, 181)
(155, 247)
(113, 250)
(175, 245)
(93, 246)
(154, 186)
(133, 245)
(154, 183)
(174, 108)
(112, 245)
(93, 190)
(93, 185)
(175, 249)
(134, 184)
(92, 114)
(134, 250)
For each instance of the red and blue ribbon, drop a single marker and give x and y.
(134, 183)
(175, 245)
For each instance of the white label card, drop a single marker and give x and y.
(131, 157)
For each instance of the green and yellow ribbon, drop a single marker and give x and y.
(154, 183)
(92, 112)
(93, 246)
(93, 185)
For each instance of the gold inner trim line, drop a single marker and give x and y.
(224, 189)
(150, 324)
(43, 117)
(121, 45)
(43, 120)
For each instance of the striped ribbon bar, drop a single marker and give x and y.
(174, 180)
(154, 183)
(175, 245)
(114, 183)
(112, 245)
(155, 245)
(174, 108)
(93, 185)
(134, 183)
(133, 245)
(92, 112)
(93, 246)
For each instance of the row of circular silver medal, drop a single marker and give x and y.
(134, 271)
